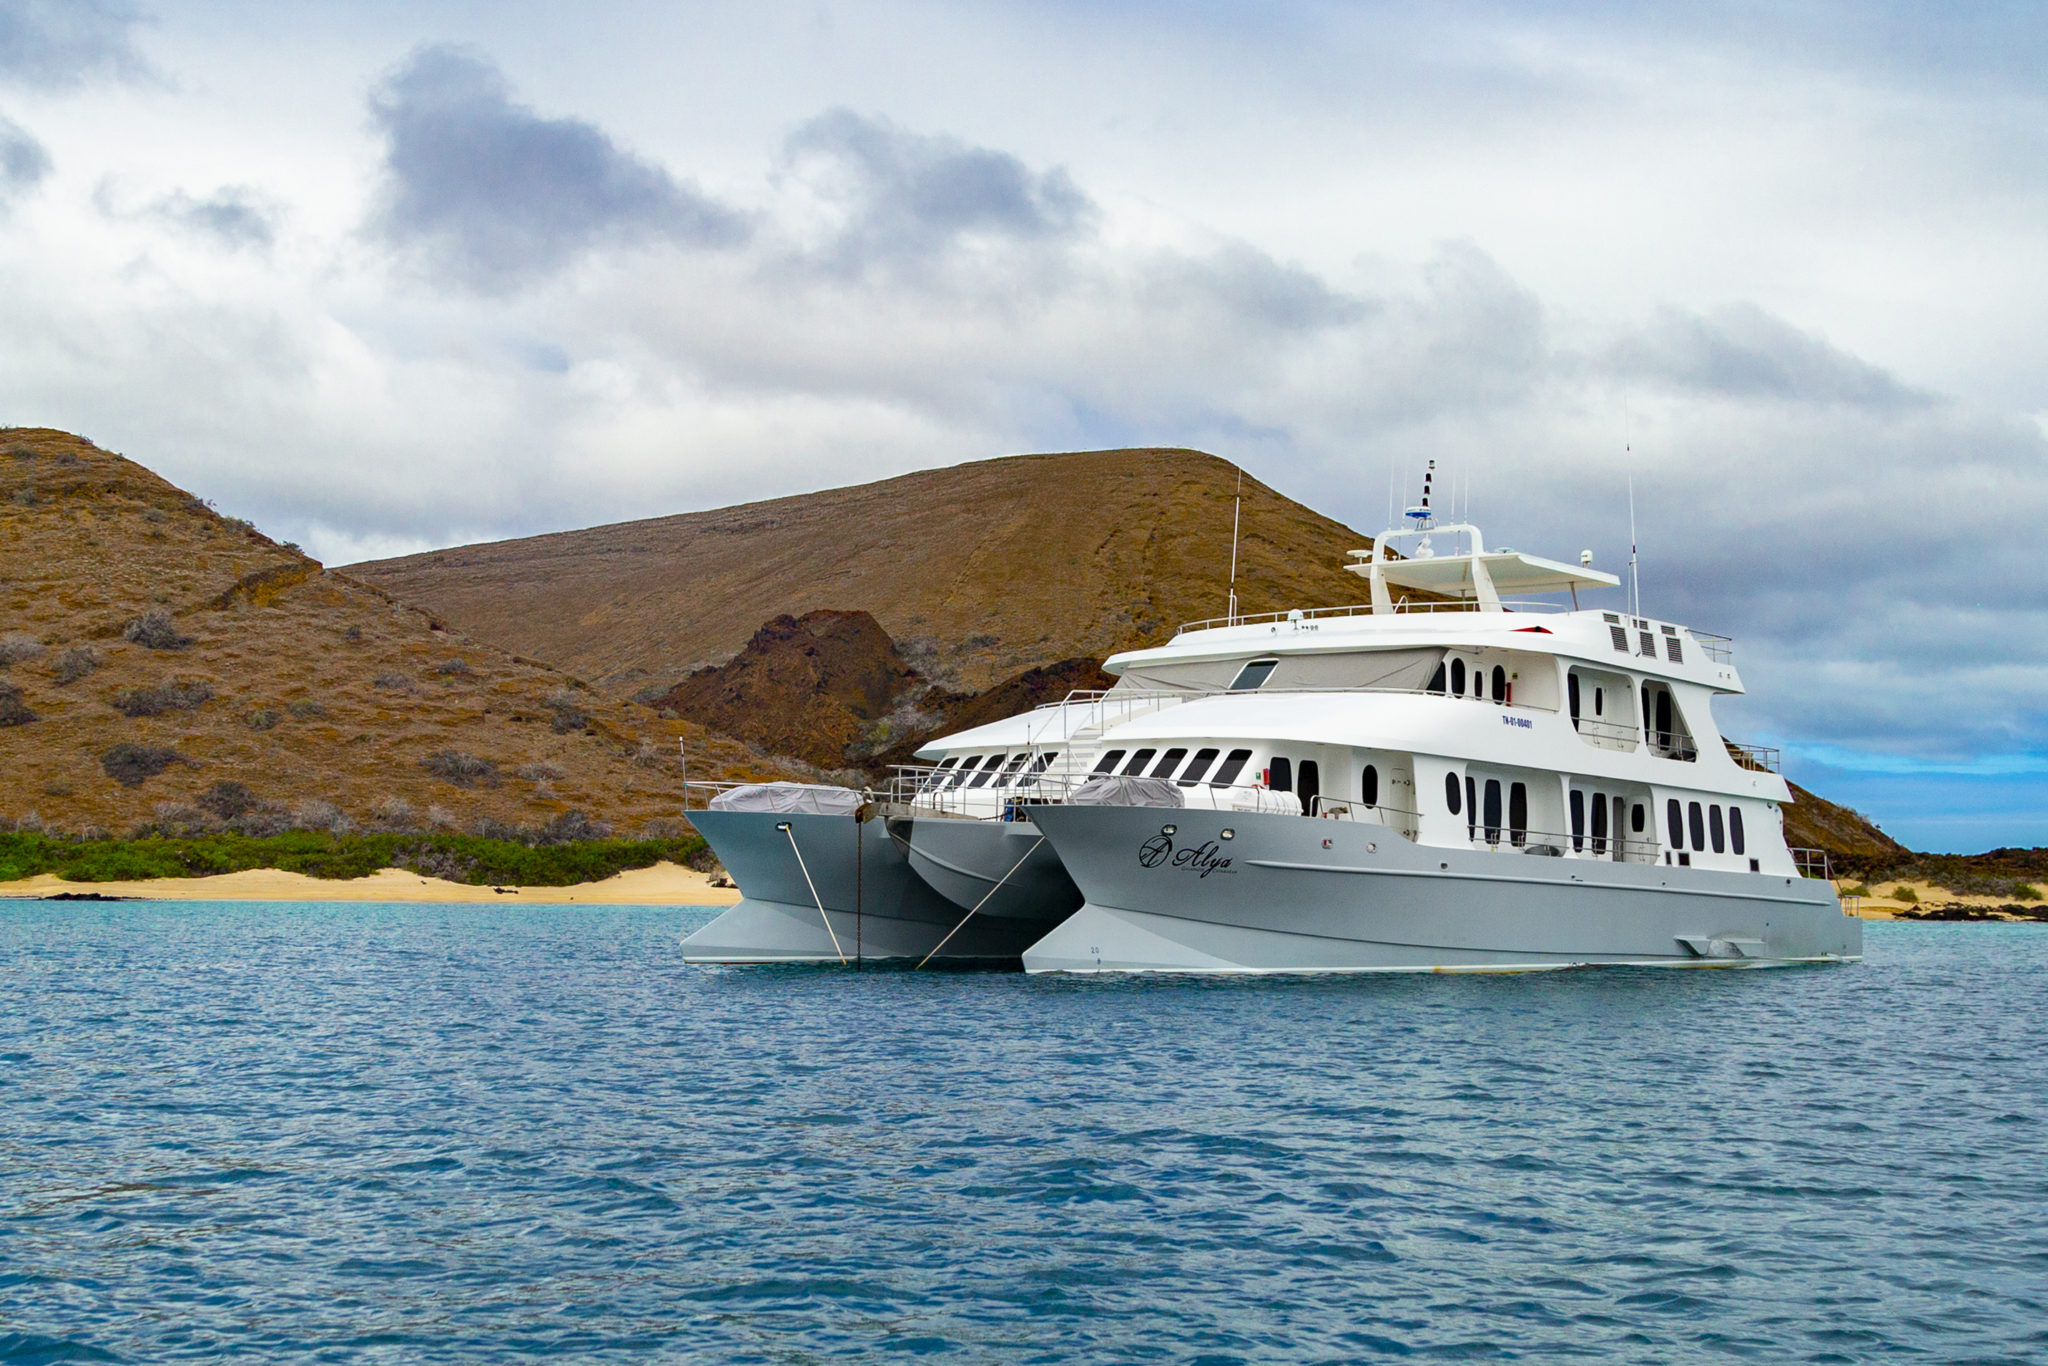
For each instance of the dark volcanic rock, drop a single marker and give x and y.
(810, 687)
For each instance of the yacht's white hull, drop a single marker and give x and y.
(1291, 894)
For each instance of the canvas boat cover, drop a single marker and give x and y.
(1116, 790)
(1265, 799)
(801, 799)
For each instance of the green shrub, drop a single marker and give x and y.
(1856, 889)
(459, 858)
(165, 697)
(1906, 894)
(2027, 891)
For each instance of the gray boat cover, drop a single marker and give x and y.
(1117, 790)
(803, 799)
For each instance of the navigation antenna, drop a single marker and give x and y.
(1635, 584)
(1236, 510)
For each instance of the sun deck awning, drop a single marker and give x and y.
(1512, 574)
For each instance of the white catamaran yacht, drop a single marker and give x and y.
(1462, 781)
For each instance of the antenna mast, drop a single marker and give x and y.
(1236, 511)
(1635, 584)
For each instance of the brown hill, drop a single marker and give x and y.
(152, 650)
(809, 687)
(978, 571)
(1815, 823)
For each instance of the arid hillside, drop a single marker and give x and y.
(978, 572)
(162, 663)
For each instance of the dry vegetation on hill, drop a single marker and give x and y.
(978, 572)
(162, 664)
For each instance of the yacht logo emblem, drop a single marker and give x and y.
(1201, 860)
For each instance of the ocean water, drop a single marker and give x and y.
(349, 1133)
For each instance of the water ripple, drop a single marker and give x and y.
(453, 1134)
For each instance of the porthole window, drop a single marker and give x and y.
(1674, 818)
(1369, 788)
(1458, 677)
(1735, 840)
(1696, 819)
(1715, 829)
(1451, 793)
(1500, 684)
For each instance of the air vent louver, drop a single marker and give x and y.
(1620, 634)
(1672, 651)
(1649, 643)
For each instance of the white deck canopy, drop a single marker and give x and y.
(1477, 574)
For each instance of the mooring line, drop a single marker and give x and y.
(979, 904)
(814, 893)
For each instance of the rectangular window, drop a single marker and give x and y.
(988, 770)
(1280, 773)
(1108, 762)
(1578, 820)
(1599, 823)
(1471, 807)
(1735, 840)
(1697, 820)
(1017, 761)
(1169, 763)
(1253, 674)
(938, 776)
(1714, 829)
(1233, 764)
(1518, 814)
(966, 767)
(1138, 762)
(1493, 811)
(1674, 818)
(1203, 758)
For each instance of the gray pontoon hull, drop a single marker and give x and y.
(877, 907)
(1004, 867)
(1291, 894)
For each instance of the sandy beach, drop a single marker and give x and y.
(1882, 905)
(664, 884)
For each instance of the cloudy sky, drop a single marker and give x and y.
(387, 276)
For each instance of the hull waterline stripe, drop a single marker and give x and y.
(1528, 882)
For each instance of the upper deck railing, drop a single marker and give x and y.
(1720, 649)
(1404, 607)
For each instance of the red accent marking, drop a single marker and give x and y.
(1539, 630)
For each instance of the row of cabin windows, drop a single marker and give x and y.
(1140, 764)
(1482, 808)
(980, 770)
(1453, 681)
(1706, 828)
(1638, 820)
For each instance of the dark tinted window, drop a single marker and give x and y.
(1599, 701)
(1280, 774)
(1369, 787)
(1233, 764)
(1253, 674)
(1107, 763)
(1138, 761)
(1311, 786)
(1578, 820)
(966, 767)
(1638, 818)
(1169, 763)
(1599, 823)
(1715, 831)
(1203, 758)
(1697, 820)
(1038, 766)
(1436, 680)
(939, 775)
(1664, 715)
(1500, 684)
(1518, 812)
(1735, 840)
(1493, 811)
(1471, 807)
(1458, 677)
(1451, 793)
(1016, 762)
(1571, 687)
(1676, 821)
(988, 770)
